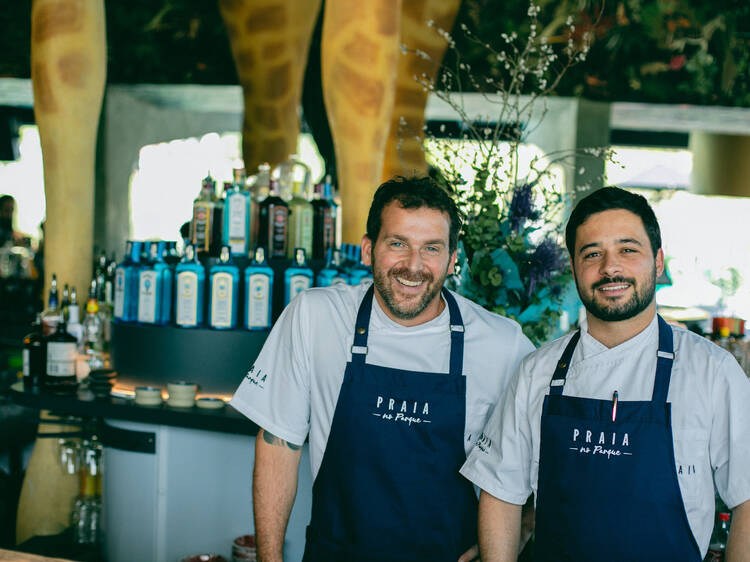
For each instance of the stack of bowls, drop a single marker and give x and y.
(148, 396)
(101, 382)
(243, 549)
(181, 394)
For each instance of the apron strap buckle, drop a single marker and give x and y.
(457, 328)
(359, 349)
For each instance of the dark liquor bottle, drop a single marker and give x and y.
(274, 224)
(207, 221)
(33, 356)
(324, 224)
(60, 376)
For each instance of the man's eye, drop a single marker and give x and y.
(432, 249)
(591, 255)
(629, 250)
(397, 244)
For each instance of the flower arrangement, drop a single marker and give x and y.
(511, 259)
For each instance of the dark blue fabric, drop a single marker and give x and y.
(608, 489)
(388, 487)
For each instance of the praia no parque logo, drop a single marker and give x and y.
(397, 410)
(609, 444)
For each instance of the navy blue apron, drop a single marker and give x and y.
(608, 486)
(388, 486)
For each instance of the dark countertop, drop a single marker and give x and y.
(225, 420)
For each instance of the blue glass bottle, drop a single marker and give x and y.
(359, 273)
(236, 232)
(190, 288)
(224, 283)
(331, 274)
(258, 292)
(155, 287)
(126, 284)
(298, 277)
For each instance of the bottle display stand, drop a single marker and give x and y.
(154, 355)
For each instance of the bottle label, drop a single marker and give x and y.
(26, 361)
(201, 226)
(302, 219)
(221, 300)
(119, 293)
(237, 232)
(278, 224)
(187, 299)
(297, 284)
(258, 301)
(147, 297)
(61, 359)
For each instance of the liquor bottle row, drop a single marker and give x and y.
(222, 295)
(274, 210)
(61, 345)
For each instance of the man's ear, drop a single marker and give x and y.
(452, 263)
(366, 246)
(659, 262)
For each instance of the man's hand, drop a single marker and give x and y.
(470, 555)
(499, 529)
(274, 489)
(738, 545)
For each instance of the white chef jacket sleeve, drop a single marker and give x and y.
(729, 442)
(500, 462)
(275, 393)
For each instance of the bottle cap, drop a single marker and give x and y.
(224, 255)
(260, 254)
(299, 256)
(723, 517)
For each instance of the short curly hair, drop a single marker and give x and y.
(413, 193)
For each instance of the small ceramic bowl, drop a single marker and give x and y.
(147, 395)
(182, 390)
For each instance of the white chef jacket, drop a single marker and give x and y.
(710, 397)
(293, 386)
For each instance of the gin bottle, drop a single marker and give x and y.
(224, 281)
(324, 224)
(274, 223)
(51, 315)
(60, 373)
(75, 328)
(237, 216)
(93, 329)
(331, 274)
(34, 361)
(189, 292)
(206, 226)
(155, 288)
(298, 277)
(300, 222)
(258, 293)
(258, 193)
(126, 284)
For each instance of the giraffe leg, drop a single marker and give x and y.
(358, 59)
(404, 154)
(269, 41)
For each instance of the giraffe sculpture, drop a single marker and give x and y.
(368, 86)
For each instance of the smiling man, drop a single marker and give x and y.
(392, 382)
(623, 428)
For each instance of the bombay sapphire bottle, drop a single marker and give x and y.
(331, 274)
(258, 292)
(126, 284)
(298, 277)
(155, 288)
(236, 233)
(190, 287)
(224, 282)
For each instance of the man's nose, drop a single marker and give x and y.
(610, 264)
(414, 259)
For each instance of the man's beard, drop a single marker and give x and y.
(409, 309)
(616, 312)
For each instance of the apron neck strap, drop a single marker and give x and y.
(561, 370)
(362, 327)
(664, 360)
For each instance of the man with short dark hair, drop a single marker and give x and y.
(392, 382)
(623, 428)
(7, 208)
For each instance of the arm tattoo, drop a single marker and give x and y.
(271, 439)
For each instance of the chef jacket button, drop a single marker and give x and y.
(361, 331)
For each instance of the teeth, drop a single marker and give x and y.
(408, 283)
(614, 288)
